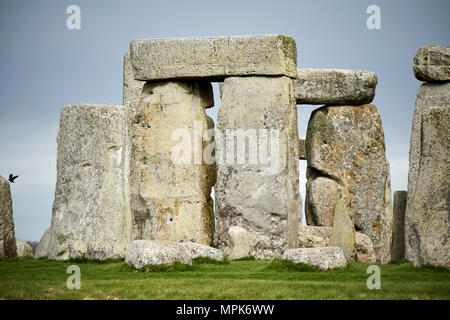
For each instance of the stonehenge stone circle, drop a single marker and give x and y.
(427, 217)
(258, 195)
(214, 58)
(398, 226)
(323, 258)
(171, 200)
(91, 214)
(334, 86)
(7, 234)
(312, 237)
(343, 232)
(345, 148)
(432, 63)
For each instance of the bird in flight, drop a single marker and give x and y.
(12, 178)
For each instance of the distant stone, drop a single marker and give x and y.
(170, 179)
(141, 253)
(345, 145)
(343, 232)
(214, 58)
(427, 217)
(302, 148)
(91, 214)
(323, 258)
(44, 246)
(334, 87)
(239, 243)
(23, 249)
(432, 63)
(7, 234)
(196, 250)
(398, 226)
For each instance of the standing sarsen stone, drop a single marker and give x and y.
(91, 215)
(427, 218)
(257, 160)
(345, 146)
(398, 227)
(171, 199)
(7, 234)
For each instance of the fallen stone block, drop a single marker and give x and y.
(334, 86)
(432, 63)
(323, 258)
(196, 250)
(142, 253)
(239, 243)
(312, 237)
(214, 58)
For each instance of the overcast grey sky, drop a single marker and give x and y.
(45, 66)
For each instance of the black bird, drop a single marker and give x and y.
(12, 178)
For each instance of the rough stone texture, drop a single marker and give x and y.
(345, 144)
(7, 234)
(320, 197)
(132, 88)
(432, 63)
(196, 250)
(323, 258)
(398, 226)
(91, 215)
(343, 232)
(23, 249)
(427, 224)
(141, 253)
(312, 237)
(214, 58)
(302, 148)
(263, 201)
(239, 243)
(334, 87)
(171, 200)
(44, 245)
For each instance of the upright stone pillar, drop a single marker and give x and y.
(398, 226)
(171, 180)
(91, 214)
(132, 88)
(7, 234)
(257, 160)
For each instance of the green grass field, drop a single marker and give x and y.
(252, 279)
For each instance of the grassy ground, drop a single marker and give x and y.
(42, 279)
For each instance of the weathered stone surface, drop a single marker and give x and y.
(7, 234)
(427, 216)
(44, 245)
(398, 226)
(312, 237)
(432, 63)
(132, 88)
(346, 144)
(214, 58)
(334, 86)
(322, 257)
(239, 243)
(343, 232)
(302, 148)
(23, 249)
(196, 250)
(321, 195)
(141, 253)
(261, 197)
(170, 194)
(91, 214)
